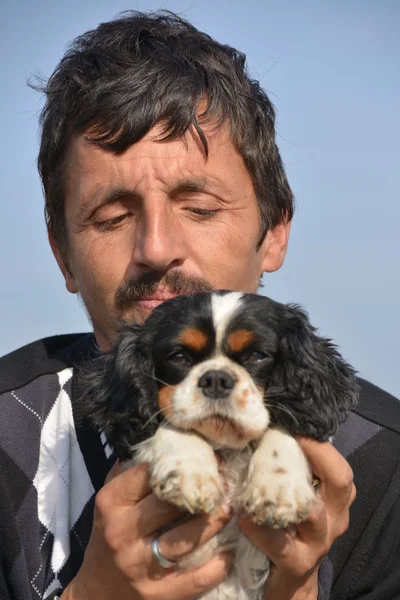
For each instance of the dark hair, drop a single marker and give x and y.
(116, 82)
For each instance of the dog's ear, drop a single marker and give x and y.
(311, 388)
(120, 392)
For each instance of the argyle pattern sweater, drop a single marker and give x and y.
(52, 464)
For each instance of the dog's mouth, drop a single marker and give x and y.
(223, 431)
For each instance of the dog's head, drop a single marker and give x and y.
(225, 365)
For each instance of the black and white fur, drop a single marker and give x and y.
(232, 374)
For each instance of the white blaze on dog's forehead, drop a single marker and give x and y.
(223, 308)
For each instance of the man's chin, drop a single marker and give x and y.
(141, 311)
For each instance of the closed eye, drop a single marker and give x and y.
(110, 224)
(204, 212)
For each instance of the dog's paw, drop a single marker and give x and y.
(188, 488)
(278, 499)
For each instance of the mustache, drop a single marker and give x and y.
(175, 281)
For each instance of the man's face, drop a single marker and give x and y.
(160, 220)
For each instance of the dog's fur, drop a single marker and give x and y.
(230, 374)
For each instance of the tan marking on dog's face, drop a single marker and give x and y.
(241, 402)
(194, 338)
(240, 339)
(165, 400)
(280, 471)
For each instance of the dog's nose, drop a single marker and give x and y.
(216, 384)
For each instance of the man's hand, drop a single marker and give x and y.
(296, 553)
(118, 562)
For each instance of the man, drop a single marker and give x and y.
(161, 176)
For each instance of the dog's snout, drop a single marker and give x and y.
(216, 384)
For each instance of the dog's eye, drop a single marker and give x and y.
(180, 358)
(256, 357)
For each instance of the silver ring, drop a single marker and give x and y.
(158, 555)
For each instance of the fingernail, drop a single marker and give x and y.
(227, 508)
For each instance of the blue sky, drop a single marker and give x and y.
(332, 71)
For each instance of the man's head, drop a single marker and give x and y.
(160, 169)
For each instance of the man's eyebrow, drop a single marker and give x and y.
(192, 185)
(197, 184)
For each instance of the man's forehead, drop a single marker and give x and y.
(97, 174)
(218, 139)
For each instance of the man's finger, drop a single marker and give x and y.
(193, 583)
(334, 472)
(130, 523)
(185, 537)
(285, 548)
(274, 543)
(124, 488)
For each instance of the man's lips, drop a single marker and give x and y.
(155, 298)
(151, 302)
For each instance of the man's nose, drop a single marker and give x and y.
(159, 243)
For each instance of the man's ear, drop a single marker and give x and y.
(274, 246)
(70, 282)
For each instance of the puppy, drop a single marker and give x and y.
(227, 375)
